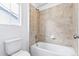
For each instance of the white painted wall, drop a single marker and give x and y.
(76, 41)
(25, 26)
(13, 31)
(8, 32)
(78, 28)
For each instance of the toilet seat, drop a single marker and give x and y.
(21, 53)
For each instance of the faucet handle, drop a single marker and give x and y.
(76, 36)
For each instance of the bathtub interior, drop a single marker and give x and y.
(57, 49)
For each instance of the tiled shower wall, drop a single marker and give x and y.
(58, 22)
(34, 13)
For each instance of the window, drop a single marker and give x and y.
(9, 13)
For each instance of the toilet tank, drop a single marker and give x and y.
(12, 46)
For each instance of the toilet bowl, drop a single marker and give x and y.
(13, 48)
(21, 53)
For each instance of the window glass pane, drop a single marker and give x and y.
(4, 17)
(7, 5)
(9, 14)
(13, 20)
(15, 8)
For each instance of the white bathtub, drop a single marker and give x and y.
(47, 49)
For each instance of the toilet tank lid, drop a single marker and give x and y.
(12, 40)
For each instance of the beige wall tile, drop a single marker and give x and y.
(58, 21)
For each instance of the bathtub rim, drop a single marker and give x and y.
(35, 46)
(54, 44)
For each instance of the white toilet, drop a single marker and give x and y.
(13, 48)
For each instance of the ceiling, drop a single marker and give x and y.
(43, 6)
(38, 5)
